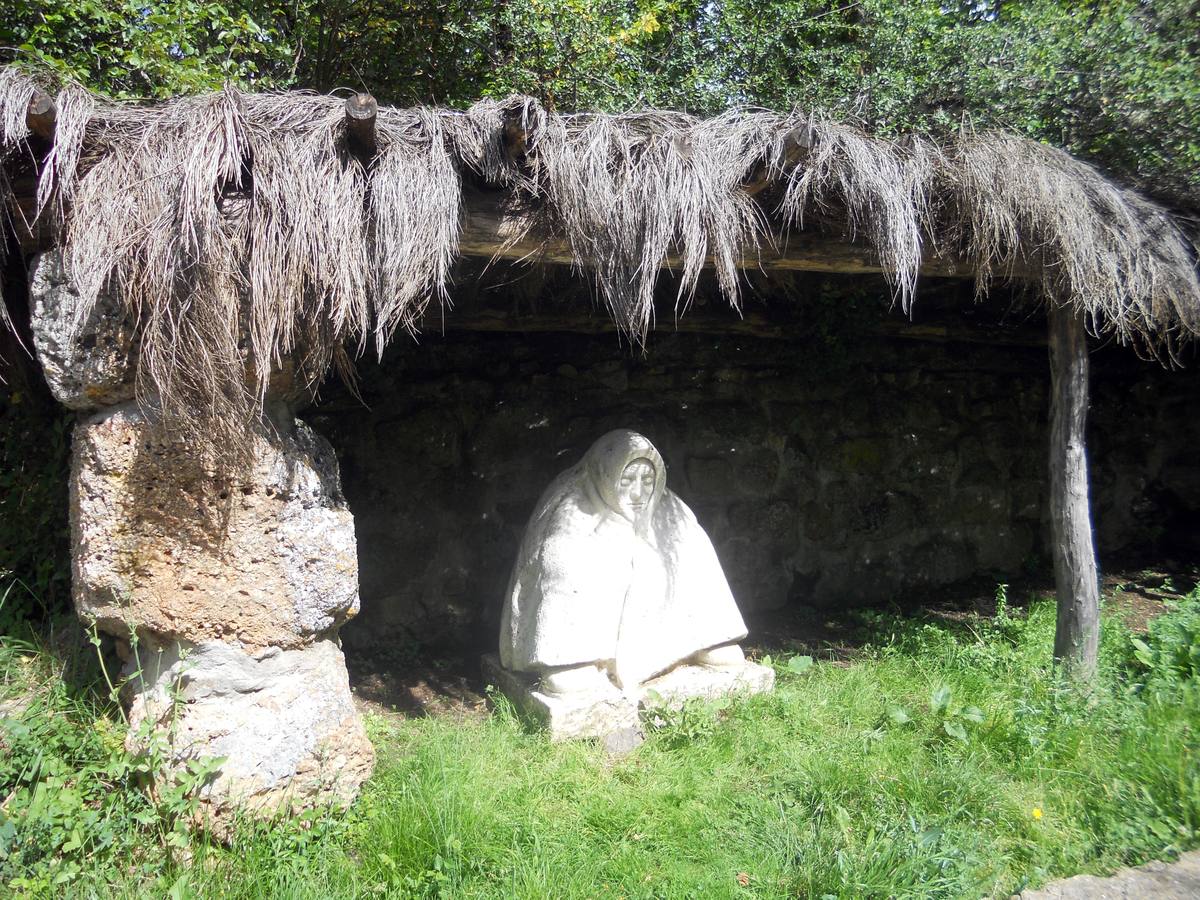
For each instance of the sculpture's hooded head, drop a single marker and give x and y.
(627, 473)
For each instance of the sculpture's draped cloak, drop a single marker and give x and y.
(591, 586)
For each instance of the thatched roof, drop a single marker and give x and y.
(244, 230)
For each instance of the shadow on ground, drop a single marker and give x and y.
(447, 681)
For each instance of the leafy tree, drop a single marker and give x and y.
(1115, 81)
(134, 49)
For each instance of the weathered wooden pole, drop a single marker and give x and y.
(41, 115)
(516, 135)
(361, 112)
(1077, 634)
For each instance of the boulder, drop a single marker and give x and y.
(168, 545)
(282, 722)
(88, 368)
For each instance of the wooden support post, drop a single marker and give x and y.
(41, 114)
(1077, 635)
(361, 111)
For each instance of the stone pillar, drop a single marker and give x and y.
(226, 591)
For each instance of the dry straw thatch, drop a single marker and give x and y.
(246, 237)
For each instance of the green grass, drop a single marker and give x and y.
(945, 762)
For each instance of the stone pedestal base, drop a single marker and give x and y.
(580, 715)
(282, 720)
(596, 714)
(682, 683)
(235, 584)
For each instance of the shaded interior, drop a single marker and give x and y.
(838, 452)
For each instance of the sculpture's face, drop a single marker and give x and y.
(636, 488)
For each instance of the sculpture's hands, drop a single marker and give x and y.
(725, 655)
(574, 680)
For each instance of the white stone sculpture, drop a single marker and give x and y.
(617, 592)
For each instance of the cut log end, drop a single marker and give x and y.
(799, 141)
(361, 113)
(41, 115)
(516, 136)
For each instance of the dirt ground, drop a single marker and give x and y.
(447, 681)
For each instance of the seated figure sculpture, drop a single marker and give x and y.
(616, 584)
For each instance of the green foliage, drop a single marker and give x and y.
(34, 533)
(678, 724)
(846, 781)
(610, 54)
(77, 797)
(1115, 81)
(955, 719)
(994, 644)
(1170, 652)
(799, 665)
(133, 49)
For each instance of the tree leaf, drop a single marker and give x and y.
(800, 664)
(929, 837)
(939, 700)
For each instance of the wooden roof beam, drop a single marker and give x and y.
(490, 230)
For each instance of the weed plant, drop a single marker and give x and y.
(74, 794)
(946, 761)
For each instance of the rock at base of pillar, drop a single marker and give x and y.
(282, 720)
(234, 584)
(600, 713)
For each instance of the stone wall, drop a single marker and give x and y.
(827, 470)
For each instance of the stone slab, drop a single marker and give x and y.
(1179, 880)
(599, 714)
(685, 682)
(592, 715)
(623, 742)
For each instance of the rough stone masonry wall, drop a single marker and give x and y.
(224, 590)
(824, 478)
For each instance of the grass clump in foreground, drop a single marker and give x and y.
(944, 762)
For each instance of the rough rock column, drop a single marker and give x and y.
(227, 590)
